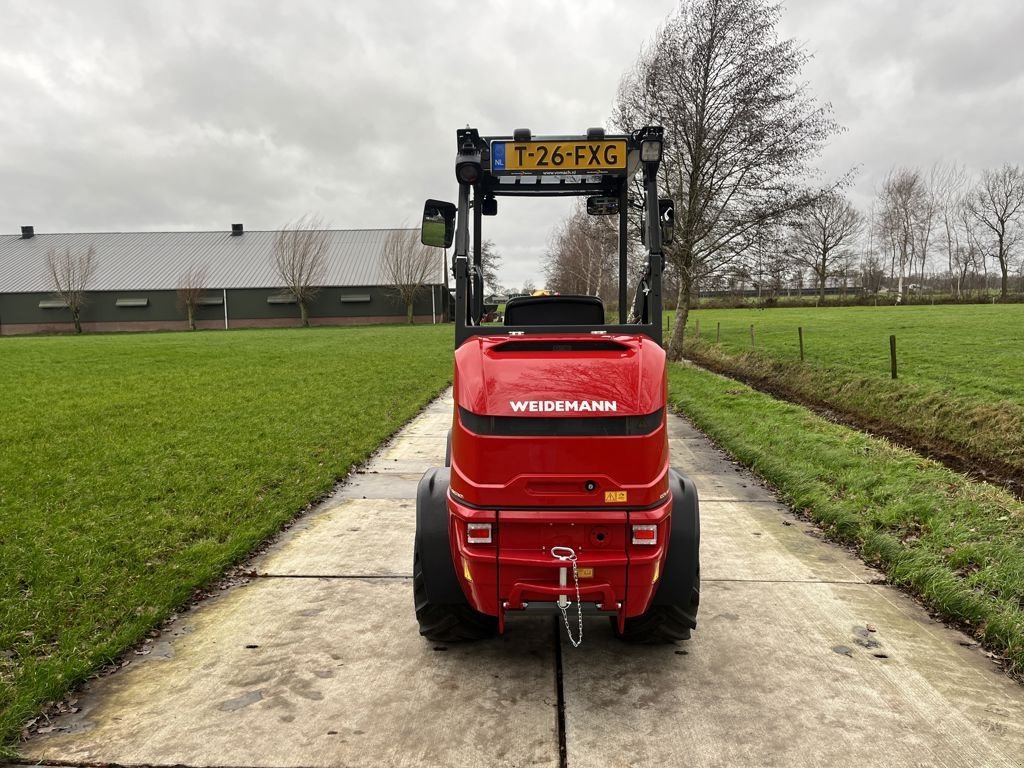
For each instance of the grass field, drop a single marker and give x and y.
(135, 468)
(960, 368)
(956, 543)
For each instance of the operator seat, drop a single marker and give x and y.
(554, 310)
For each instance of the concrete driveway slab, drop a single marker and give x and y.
(784, 674)
(433, 423)
(682, 429)
(728, 483)
(361, 537)
(691, 456)
(761, 542)
(413, 454)
(368, 484)
(309, 672)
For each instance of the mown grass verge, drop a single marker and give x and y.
(134, 469)
(958, 394)
(957, 544)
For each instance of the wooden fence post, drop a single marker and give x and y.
(800, 331)
(752, 345)
(718, 333)
(892, 354)
(697, 329)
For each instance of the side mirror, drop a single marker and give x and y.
(667, 218)
(438, 228)
(600, 205)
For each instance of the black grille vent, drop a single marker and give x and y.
(539, 345)
(560, 426)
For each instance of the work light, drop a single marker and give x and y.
(467, 166)
(650, 144)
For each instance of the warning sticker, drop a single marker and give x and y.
(615, 497)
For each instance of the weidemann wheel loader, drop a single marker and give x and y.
(557, 495)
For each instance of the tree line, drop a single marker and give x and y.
(742, 134)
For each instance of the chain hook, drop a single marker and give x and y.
(568, 554)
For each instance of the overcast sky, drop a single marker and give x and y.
(184, 115)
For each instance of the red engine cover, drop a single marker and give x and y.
(559, 459)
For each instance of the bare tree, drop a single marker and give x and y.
(70, 275)
(945, 188)
(901, 204)
(582, 256)
(967, 256)
(741, 129)
(490, 263)
(191, 284)
(871, 272)
(998, 205)
(822, 235)
(300, 257)
(407, 265)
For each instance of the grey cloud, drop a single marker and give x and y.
(191, 115)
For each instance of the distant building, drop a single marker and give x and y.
(137, 274)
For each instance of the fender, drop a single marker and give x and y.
(682, 565)
(432, 539)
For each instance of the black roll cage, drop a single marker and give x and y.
(469, 299)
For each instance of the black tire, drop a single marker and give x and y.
(447, 623)
(662, 623)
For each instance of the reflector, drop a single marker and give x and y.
(645, 534)
(478, 533)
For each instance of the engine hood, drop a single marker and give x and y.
(572, 375)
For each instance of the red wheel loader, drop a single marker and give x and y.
(557, 495)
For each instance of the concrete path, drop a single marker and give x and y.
(802, 658)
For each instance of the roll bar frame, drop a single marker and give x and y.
(647, 308)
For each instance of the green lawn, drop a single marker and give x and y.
(961, 368)
(135, 468)
(956, 543)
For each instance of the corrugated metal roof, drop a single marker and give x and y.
(135, 261)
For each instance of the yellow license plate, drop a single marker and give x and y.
(558, 156)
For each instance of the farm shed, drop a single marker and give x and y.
(134, 287)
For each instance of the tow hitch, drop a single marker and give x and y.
(568, 554)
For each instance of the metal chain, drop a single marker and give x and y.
(579, 605)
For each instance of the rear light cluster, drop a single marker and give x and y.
(481, 533)
(645, 534)
(478, 533)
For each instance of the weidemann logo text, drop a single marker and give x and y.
(563, 406)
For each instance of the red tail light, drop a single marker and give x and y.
(478, 533)
(645, 534)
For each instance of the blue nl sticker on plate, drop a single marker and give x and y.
(498, 156)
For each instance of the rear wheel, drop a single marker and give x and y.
(447, 623)
(663, 623)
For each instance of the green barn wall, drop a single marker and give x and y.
(244, 304)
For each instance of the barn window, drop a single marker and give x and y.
(138, 301)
